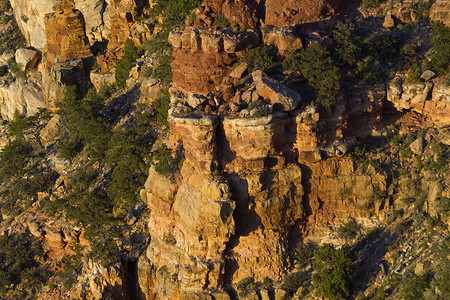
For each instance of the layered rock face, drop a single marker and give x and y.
(211, 229)
(66, 31)
(105, 19)
(249, 189)
(66, 37)
(203, 57)
(250, 13)
(255, 180)
(430, 98)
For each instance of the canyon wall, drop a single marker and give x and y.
(256, 182)
(264, 168)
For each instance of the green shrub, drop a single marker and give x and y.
(245, 283)
(166, 164)
(383, 46)
(163, 71)
(163, 110)
(409, 57)
(105, 250)
(443, 205)
(127, 155)
(221, 21)
(91, 211)
(348, 43)
(259, 108)
(349, 229)
(11, 37)
(440, 284)
(174, 12)
(3, 71)
(260, 58)
(304, 253)
(413, 74)
(292, 282)
(333, 272)
(18, 125)
(371, 4)
(14, 158)
(440, 38)
(126, 63)
(85, 123)
(5, 6)
(422, 9)
(40, 182)
(145, 72)
(17, 69)
(317, 66)
(159, 43)
(368, 71)
(267, 281)
(292, 62)
(72, 267)
(413, 286)
(68, 148)
(18, 264)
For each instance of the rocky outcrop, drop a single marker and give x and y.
(284, 38)
(249, 13)
(243, 13)
(66, 36)
(65, 74)
(279, 95)
(430, 98)
(289, 12)
(203, 58)
(250, 187)
(28, 58)
(104, 20)
(440, 11)
(339, 192)
(30, 18)
(25, 97)
(93, 13)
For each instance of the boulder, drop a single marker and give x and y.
(150, 91)
(276, 92)
(284, 38)
(418, 269)
(428, 75)
(388, 21)
(99, 79)
(239, 71)
(444, 137)
(440, 11)
(28, 58)
(194, 100)
(417, 146)
(51, 130)
(34, 229)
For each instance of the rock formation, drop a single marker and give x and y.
(288, 12)
(430, 98)
(265, 168)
